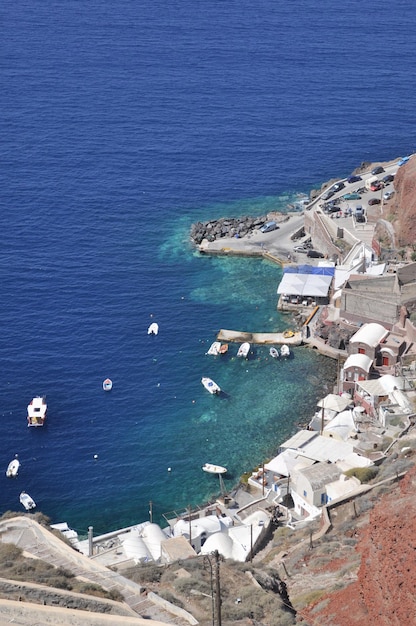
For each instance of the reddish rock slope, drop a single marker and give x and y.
(385, 592)
(404, 204)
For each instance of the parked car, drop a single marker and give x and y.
(358, 211)
(354, 179)
(373, 201)
(388, 178)
(403, 161)
(314, 254)
(352, 196)
(300, 249)
(268, 227)
(376, 186)
(334, 208)
(328, 194)
(360, 218)
(362, 190)
(388, 194)
(338, 186)
(377, 170)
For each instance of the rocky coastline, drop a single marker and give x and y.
(227, 227)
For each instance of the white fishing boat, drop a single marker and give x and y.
(153, 329)
(214, 348)
(27, 501)
(13, 468)
(274, 352)
(210, 385)
(36, 411)
(243, 350)
(107, 384)
(285, 351)
(214, 469)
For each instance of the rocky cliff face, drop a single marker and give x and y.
(403, 207)
(385, 591)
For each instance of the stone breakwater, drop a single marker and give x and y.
(227, 227)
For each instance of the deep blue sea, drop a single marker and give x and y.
(121, 124)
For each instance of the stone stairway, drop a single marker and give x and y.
(39, 542)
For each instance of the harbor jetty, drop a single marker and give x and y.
(293, 338)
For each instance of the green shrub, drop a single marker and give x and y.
(364, 474)
(8, 551)
(364, 505)
(145, 573)
(185, 585)
(169, 597)
(60, 583)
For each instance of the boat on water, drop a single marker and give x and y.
(36, 411)
(243, 350)
(27, 501)
(288, 334)
(274, 352)
(107, 384)
(13, 468)
(210, 385)
(285, 351)
(214, 348)
(214, 469)
(223, 348)
(153, 329)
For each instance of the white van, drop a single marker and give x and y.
(370, 181)
(268, 227)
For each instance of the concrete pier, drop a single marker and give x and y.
(260, 338)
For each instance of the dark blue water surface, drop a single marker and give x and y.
(121, 124)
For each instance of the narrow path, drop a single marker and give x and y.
(39, 542)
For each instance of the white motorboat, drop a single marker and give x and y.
(27, 501)
(215, 348)
(13, 468)
(214, 469)
(243, 350)
(153, 329)
(274, 352)
(285, 351)
(210, 385)
(36, 411)
(107, 384)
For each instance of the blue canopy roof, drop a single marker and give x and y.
(310, 269)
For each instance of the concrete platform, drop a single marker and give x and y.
(260, 338)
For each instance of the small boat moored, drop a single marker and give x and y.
(223, 348)
(36, 411)
(210, 385)
(214, 469)
(243, 350)
(107, 384)
(288, 334)
(274, 352)
(214, 348)
(153, 329)
(27, 501)
(13, 468)
(285, 351)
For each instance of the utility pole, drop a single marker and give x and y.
(217, 587)
(251, 543)
(190, 525)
